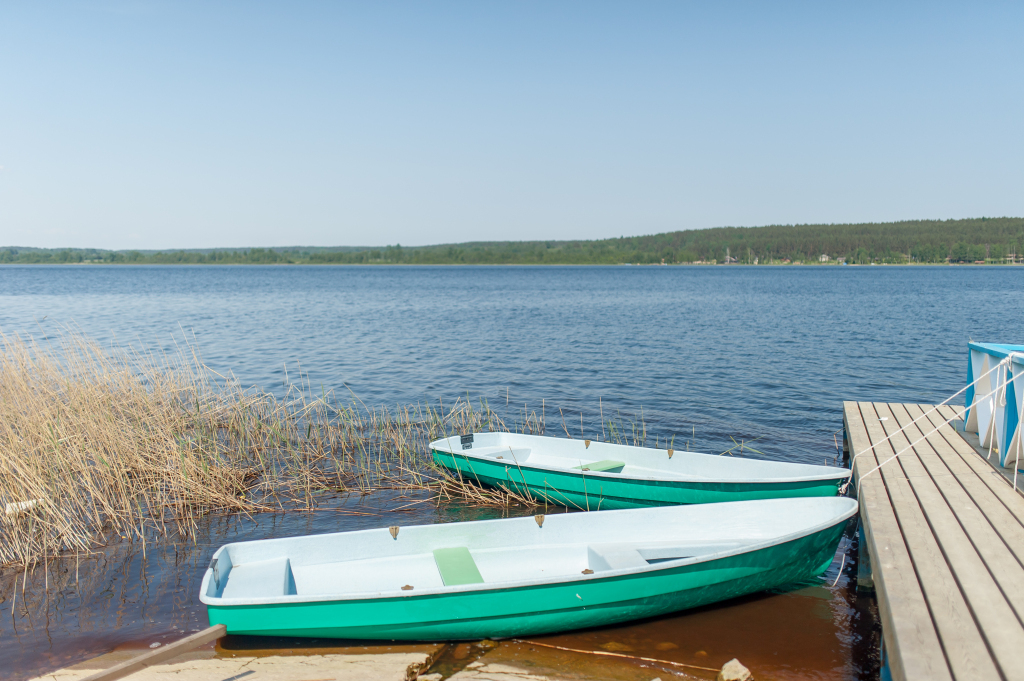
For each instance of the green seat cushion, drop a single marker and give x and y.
(606, 466)
(457, 566)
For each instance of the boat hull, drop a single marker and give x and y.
(541, 608)
(593, 493)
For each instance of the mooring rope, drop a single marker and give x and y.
(840, 574)
(912, 444)
(1000, 386)
(612, 654)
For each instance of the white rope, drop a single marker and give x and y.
(840, 571)
(935, 408)
(1003, 362)
(912, 444)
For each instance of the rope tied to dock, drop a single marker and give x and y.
(999, 392)
(612, 654)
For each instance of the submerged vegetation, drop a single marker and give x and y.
(97, 446)
(985, 240)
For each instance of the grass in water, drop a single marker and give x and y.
(101, 445)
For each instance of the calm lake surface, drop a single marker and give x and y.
(702, 354)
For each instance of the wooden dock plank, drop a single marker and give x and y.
(911, 640)
(999, 486)
(977, 519)
(1005, 524)
(957, 621)
(965, 648)
(961, 525)
(948, 411)
(976, 555)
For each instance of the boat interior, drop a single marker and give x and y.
(493, 553)
(450, 566)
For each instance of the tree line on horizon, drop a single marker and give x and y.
(990, 240)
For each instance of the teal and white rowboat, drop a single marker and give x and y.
(519, 576)
(598, 475)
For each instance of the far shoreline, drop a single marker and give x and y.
(503, 264)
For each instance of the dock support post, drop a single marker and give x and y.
(865, 583)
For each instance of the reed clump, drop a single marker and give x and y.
(103, 444)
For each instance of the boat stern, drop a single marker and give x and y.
(216, 576)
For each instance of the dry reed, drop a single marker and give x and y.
(99, 445)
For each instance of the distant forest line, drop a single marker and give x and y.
(978, 240)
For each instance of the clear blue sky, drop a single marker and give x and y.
(176, 124)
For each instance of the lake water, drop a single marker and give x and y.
(707, 355)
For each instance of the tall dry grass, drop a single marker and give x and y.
(102, 444)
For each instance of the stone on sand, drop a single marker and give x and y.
(734, 671)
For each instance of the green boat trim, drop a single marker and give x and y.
(596, 490)
(655, 581)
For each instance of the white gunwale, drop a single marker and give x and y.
(452, 445)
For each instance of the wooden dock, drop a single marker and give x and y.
(944, 538)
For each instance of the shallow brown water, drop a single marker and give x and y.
(120, 598)
(807, 633)
(813, 631)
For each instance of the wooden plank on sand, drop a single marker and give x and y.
(159, 655)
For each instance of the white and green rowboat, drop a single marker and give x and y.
(598, 475)
(520, 576)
